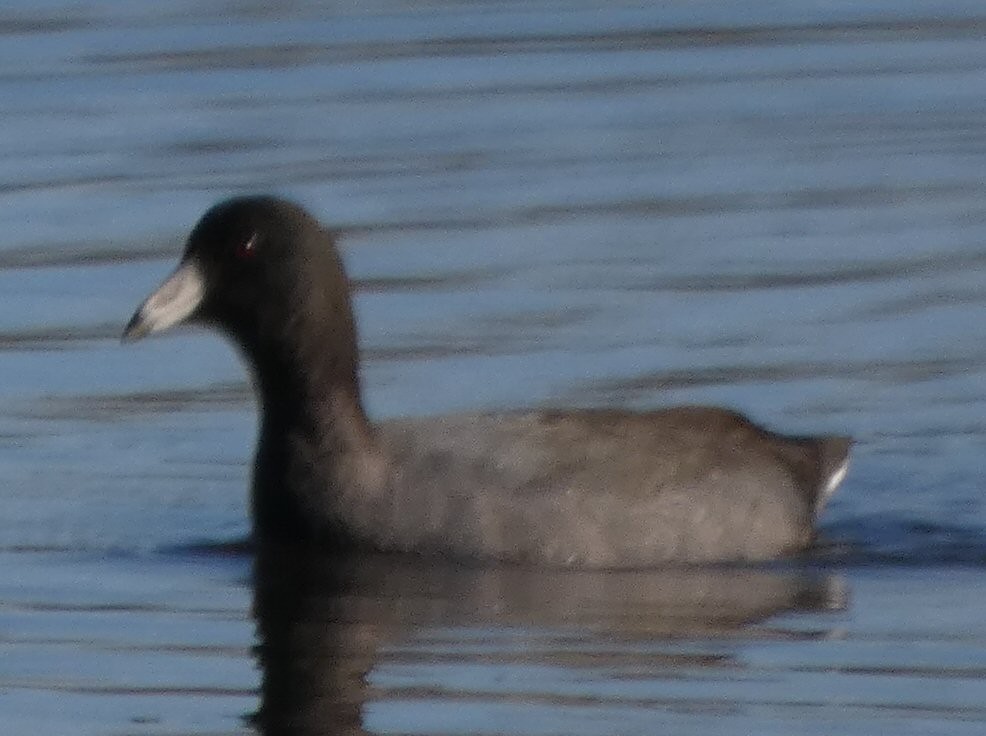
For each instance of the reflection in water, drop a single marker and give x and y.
(774, 206)
(325, 623)
(314, 657)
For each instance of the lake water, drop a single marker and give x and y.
(776, 206)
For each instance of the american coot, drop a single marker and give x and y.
(590, 488)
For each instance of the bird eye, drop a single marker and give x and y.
(247, 249)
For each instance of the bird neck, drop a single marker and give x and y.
(318, 456)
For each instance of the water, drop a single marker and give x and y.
(777, 208)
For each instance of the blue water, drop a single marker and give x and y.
(777, 208)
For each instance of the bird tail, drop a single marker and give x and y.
(833, 464)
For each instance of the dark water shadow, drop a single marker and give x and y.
(902, 541)
(325, 622)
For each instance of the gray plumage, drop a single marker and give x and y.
(590, 488)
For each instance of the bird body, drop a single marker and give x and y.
(581, 488)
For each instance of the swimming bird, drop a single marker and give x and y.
(580, 488)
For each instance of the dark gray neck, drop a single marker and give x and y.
(316, 448)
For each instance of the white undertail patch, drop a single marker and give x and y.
(832, 483)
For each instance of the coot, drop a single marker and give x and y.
(581, 488)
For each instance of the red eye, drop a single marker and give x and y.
(247, 249)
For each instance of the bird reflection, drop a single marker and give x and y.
(324, 619)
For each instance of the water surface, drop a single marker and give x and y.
(776, 208)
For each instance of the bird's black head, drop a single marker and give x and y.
(265, 272)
